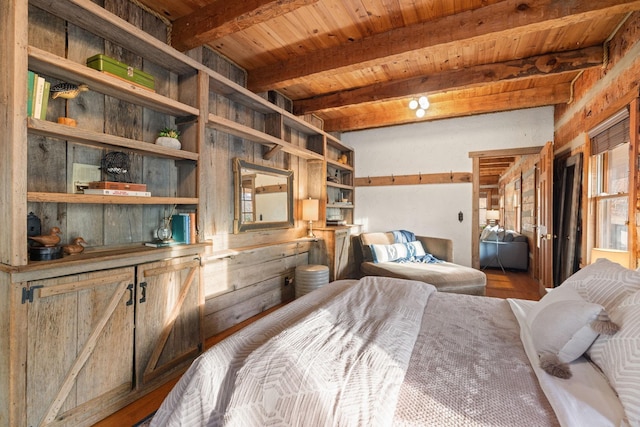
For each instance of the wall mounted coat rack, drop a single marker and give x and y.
(429, 178)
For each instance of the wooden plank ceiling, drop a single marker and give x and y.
(356, 64)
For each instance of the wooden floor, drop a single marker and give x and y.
(499, 285)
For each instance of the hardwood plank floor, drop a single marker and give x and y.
(499, 285)
(511, 285)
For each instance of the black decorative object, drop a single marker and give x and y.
(33, 227)
(117, 166)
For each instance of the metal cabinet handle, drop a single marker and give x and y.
(130, 288)
(143, 287)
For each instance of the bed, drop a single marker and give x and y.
(385, 351)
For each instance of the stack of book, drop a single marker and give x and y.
(109, 188)
(38, 90)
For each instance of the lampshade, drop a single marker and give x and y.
(310, 209)
(493, 214)
(614, 255)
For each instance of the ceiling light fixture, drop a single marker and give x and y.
(420, 105)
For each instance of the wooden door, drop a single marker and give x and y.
(567, 248)
(341, 254)
(544, 240)
(168, 316)
(79, 346)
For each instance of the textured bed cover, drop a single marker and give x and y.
(467, 367)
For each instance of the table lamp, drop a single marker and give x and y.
(310, 213)
(493, 215)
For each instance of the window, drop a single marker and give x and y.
(610, 185)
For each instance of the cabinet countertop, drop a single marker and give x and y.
(100, 260)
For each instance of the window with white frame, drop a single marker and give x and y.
(610, 183)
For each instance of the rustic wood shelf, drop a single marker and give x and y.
(97, 139)
(55, 66)
(340, 205)
(43, 197)
(338, 165)
(342, 186)
(242, 131)
(95, 19)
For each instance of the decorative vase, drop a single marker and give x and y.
(169, 142)
(163, 233)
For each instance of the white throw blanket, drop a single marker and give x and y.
(341, 365)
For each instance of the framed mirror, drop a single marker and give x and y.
(263, 197)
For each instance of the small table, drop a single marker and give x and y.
(310, 277)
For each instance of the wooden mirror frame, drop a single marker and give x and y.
(238, 225)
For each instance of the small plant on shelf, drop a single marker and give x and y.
(168, 137)
(169, 133)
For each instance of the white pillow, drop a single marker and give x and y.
(415, 249)
(604, 282)
(563, 326)
(618, 356)
(397, 251)
(384, 253)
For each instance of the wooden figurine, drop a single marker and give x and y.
(48, 240)
(75, 247)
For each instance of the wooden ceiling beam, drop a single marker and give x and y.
(519, 69)
(470, 27)
(223, 17)
(505, 101)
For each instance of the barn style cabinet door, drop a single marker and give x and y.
(79, 345)
(168, 316)
(335, 250)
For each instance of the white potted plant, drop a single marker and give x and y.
(168, 137)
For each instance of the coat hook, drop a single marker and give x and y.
(393, 178)
(369, 178)
(451, 175)
(420, 176)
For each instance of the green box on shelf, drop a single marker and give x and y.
(119, 69)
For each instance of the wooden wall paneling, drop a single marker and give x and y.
(634, 182)
(246, 270)
(270, 295)
(88, 110)
(249, 267)
(47, 156)
(13, 92)
(123, 223)
(154, 170)
(262, 287)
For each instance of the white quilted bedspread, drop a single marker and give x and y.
(454, 360)
(341, 365)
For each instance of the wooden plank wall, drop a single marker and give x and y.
(235, 289)
(598, 94)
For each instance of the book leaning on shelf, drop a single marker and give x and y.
(38, 90)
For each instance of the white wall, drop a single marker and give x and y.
(435, 147)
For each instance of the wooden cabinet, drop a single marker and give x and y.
(168, 318)
(96, 340)
(334, 250)
(76, 326)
